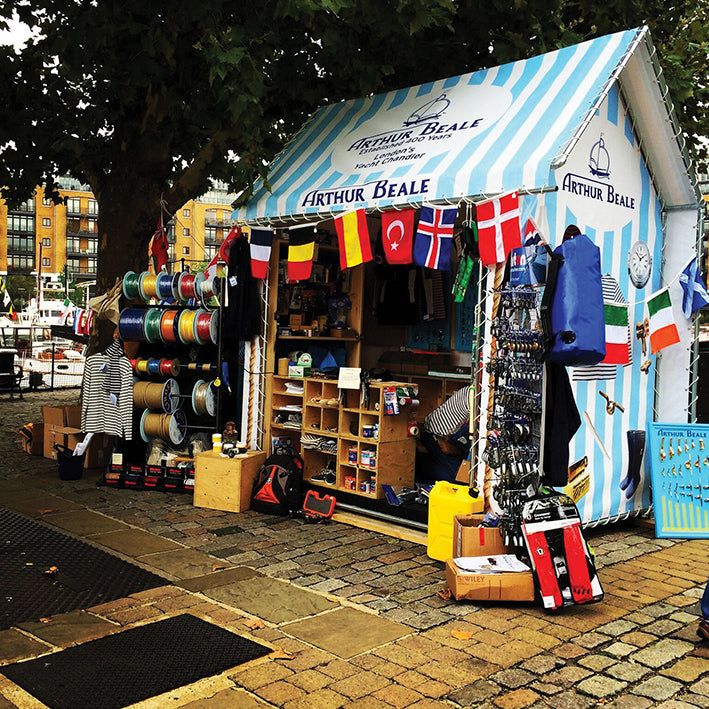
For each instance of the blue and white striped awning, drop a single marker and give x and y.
(483, 133)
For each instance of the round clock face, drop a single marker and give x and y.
(639, 264)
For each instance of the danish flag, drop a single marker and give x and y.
(498, 228)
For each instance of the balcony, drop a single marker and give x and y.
(79, 231)
(212, 240)
(83, 272)
(219, 223)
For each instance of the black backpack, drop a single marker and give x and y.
(277, 488)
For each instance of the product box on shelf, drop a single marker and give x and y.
(489, 587)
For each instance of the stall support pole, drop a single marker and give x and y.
(694, 365)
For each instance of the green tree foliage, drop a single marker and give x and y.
(149, 100)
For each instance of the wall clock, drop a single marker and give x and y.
(639, 264)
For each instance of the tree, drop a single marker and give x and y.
(148, 101)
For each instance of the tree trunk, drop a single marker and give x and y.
(129, 210)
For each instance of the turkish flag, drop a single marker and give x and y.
(398, 235)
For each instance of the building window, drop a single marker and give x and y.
(46, 221)
(46, 242)
(17, 222)
(93, 206)
(186, 213)
(185, 250)
(185, 232)
(20, 263)
(210, 252)
(27, 206)
(47, 202)
(73, 204)
(20, 244)
(46, 262)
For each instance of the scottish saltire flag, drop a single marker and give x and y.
(353, 239)
(260, 241)
(434, 238)
(694, 290)
(663, 330)
(616, 318)
(498, 227)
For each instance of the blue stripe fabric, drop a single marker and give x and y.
(549, 97)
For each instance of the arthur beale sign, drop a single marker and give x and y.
(409, 133)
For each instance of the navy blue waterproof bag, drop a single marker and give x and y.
(577, 322)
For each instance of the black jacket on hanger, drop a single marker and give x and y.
(242, 315)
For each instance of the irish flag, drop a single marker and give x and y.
(663, 331)
(616, 316)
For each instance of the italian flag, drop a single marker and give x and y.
(616, 316)
(663, 331)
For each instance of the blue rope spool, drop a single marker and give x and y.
(130, 325)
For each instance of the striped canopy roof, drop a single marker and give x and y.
(483, 133)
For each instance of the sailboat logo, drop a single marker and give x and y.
(429, 111)
(599, 162)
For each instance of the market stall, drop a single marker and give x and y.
(584, 136)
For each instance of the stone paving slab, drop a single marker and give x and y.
(222, 577)
(84, 522)
(181, 563)
(70, 628)
(346, 632)
(272, 600)
(36, 503)
(15, 646)
(135, 542)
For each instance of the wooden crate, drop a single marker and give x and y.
(222, 483)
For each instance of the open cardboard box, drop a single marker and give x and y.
(470, 539)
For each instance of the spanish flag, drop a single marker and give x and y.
(353, 237)
(301, 247)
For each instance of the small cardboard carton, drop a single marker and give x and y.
(54, 415)
(470, 539)
(33, 438)
(489, 587)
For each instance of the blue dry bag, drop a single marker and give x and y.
(577, 322)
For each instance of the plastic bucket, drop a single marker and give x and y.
(71, 467)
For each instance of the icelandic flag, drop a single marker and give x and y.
(498, 227)
(260, 245)
(434, 238)
(694, 290)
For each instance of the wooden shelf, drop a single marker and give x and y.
(328, 338)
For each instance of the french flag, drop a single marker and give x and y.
(434, 238)
(260, 241)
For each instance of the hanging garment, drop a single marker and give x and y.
(561, 421)
(242, 315)
(107, 393)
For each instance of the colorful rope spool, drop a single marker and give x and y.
(153, 366)
(130, 285)
(147, 285)
(186, 286)
(141, 366)
(205, 327)
(157, 395)
(185, 326)
(164, 286)
(203, 400)
(201, 367)
(151, 324)
(169, 367)
(169, 427)
(168, 330)
(130, 324)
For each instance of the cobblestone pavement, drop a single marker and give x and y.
(635, 649)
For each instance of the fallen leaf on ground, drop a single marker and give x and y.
(461, 634)
(46, 620)
(46, 512)
(254, 623)
(281, 655)
(51, 570)
(218, 567)
(445, 594)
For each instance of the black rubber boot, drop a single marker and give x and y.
(636, 451)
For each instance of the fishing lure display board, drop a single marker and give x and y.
(679, 470)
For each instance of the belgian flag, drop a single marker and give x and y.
(301, 247)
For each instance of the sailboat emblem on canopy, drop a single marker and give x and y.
(429, 111)
(599, 162)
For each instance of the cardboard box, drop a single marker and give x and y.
(54, 415)
(61, 436)
(223, 483)
(33, 438)
(489, 587)
(470, 539)
(72, 416)
(298, 371)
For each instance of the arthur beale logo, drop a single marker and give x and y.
(599, 165)
(429, 111)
